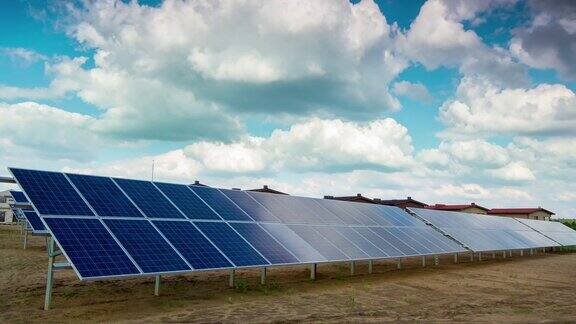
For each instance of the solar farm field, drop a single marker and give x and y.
(517, 289)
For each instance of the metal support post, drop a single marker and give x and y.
(352, 268)
(313, 271)
(455, 257)
(25, 236)
(521, 252)
(370, 266)
(510, 253)
(471, 256)
(423, 261)
(480, 256)
(231, 279)
(263, 276)
(49, 275)
(504, 254)
(436, 260)
(399, 264)
(493, 255)
(157, 286)
(531, 252)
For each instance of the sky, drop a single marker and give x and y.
(443, 101)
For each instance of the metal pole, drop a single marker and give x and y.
(479, 256)
(471, 256)
(25, 237)
(510, 253)
(370, 265)
(423, 261)
(493, 255)
(157, 286)
(351, 268)
(263, 276)
(399, 265)
(49, 275)
(436, 260)
(531, 252)
(504, 254)
(521, 252)
(455, 257)
(313, 271)
(231, 279)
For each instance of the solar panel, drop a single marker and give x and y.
(380, 242)
(192, 206)
(19, 197)
(146, 246)
(193, 246)
(221, 204)
(231, 244)
(341, 242)
(284, 208)
(250, 206)
(554, 230)
(327, 249)
(274, 252)
(395, 241)
(104, 196)
(35, 221)
(149, 199)
(372, 250)
(417, 244)
(484, 233)
(51, 193)
(342, 210)
(90, 248)
(294, 243)
(323, 215)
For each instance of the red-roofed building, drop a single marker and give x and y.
(471, 208)
(401, 203)
(267, 189)
(529, 213)
(357, 198)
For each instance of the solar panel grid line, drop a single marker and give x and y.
(122, 247)
(270, 249)
(199, 253)
(19, 196)
(150, 201)
(321, 242)
(535, 229)
(213, 244)
(407, 239)
(81, 196)
(171, 245)
(430, 244)
(35, 222)
(397, 242)
(447, 243)
(169, 200)
(294, 243)
(277, 241)
(343, 213)
(280, 208)
(370, 249)
(188, 201)
(249, 243)
(244, 200)
(228, 212)
(371, 214)
(327, 216)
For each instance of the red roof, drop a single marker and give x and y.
(513, 211)
(357, 198)
(267, 189)
(455, 207)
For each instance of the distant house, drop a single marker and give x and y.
(528, 213)
(357, 198)
(471, 208)
(197, 183)
(267, 189)
(401, 203)
(6, 214)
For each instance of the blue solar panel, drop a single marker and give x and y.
(19, 197)
(380, 242)
(192, 206)
(282, 207)
(250, 206)
(231, 244)
(197, 250)
(149, 199)
(341, 242)
(51, 193)
(146, 246)
(319, 243)
(221, 204)
(395, 241)
(34, 220)
(291, 241)
(104, 196)
(419, 245)
(264, 243)
(342, 210)
(361, 242)
(90, 247)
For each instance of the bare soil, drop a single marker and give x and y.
(518, 289)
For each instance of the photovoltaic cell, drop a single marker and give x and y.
(149, 199)
(146, 246)
(250, 206)
(342, 210)
(51, 193)
(19, 197)
(341, 242)
(192, 206)
(231, 244)
(361, 242)
(34, 220)
(395, 241)
(197, 250)
(327, 249)
(104, 196)
(554, 230)
(300, 248)
(90, 247)
(380, 242)
(264, 243)
(221, 204)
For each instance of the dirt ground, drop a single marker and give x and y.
(519, 289)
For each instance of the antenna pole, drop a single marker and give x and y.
(152, 170)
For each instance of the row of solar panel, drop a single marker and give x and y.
(116, 247)
(491, 233)
(79, 195)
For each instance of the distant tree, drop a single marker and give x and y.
(570, 223)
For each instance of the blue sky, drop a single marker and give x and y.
(445, 101)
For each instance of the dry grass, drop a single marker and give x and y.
(524, 289)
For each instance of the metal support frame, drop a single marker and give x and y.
(157, 286)
(352, 268)
(455, 257)
(531, 252)
(423, 261)
(313, 271)
(263, 276)
(399, 264)
(231, 279)
(510, 254)
(479, 256)
(493, 255)
(25, 227)
(521, 253)
(504, 254)
(52, 266)
(370, 266)
(471, 256)
(436, 260)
